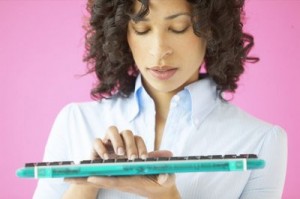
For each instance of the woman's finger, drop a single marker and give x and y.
(130, 145)
(166, 180)
(113, 135)
(141, 147)
(99, 149)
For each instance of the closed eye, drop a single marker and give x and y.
(180, 31)
(141, 32)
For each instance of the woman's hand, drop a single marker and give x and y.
(117, 143)
(125, 143)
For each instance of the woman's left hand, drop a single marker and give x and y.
(154, 186)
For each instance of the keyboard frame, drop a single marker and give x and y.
(153, 166)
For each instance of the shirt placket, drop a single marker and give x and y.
(171, 127)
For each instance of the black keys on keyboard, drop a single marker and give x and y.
(118, 160)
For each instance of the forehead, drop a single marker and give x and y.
(163, 7)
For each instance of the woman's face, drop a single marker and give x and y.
(165, 49)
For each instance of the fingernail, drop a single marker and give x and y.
(90, 179)
(162, 178)
(133, 157)
(121, 151)
(105, 156)
(144, 156)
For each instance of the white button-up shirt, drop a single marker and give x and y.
(198, 123)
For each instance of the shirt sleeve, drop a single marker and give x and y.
(56, 150)
(268, 183)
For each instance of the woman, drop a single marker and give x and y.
(153, 101)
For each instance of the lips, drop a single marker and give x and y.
(162, 73)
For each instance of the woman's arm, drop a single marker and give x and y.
(56, 150)
(269, 182)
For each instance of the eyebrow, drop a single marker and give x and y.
(177, 15)
(170, 17)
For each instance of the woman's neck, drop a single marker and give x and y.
(162, 104)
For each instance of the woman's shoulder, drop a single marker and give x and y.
(96, 109)
(111, 103)
(76, 107)
(234, 116)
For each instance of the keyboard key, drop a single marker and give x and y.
(97, 161)
(206, 157)
(42, 164)
(67, 162)
(163, 158)
(30, 164)
(247, 156)
(109, 161)
(194, 157)
(86, 161)
(178, 158)
(217, 157)
(151, 159)
(230, 156)
(121, 160)
(139, 160)
(54, 163)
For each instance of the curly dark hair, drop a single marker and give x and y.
(108, 55)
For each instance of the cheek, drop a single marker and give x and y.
(198, 46)
(195, 43)
(192, 50)
(189, 42)
(194, 57)
(138, 49)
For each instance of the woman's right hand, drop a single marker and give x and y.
(127, 144)
(117, 143)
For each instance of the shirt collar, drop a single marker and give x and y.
(204, 97)
(137, 100)
(200, 98)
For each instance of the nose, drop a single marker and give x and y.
(160, 47)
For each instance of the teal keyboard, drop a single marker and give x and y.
(149, 166)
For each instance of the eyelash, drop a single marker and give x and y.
(174, 31)
(141, 33)
(181, 31)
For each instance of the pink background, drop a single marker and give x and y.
(41, 46)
